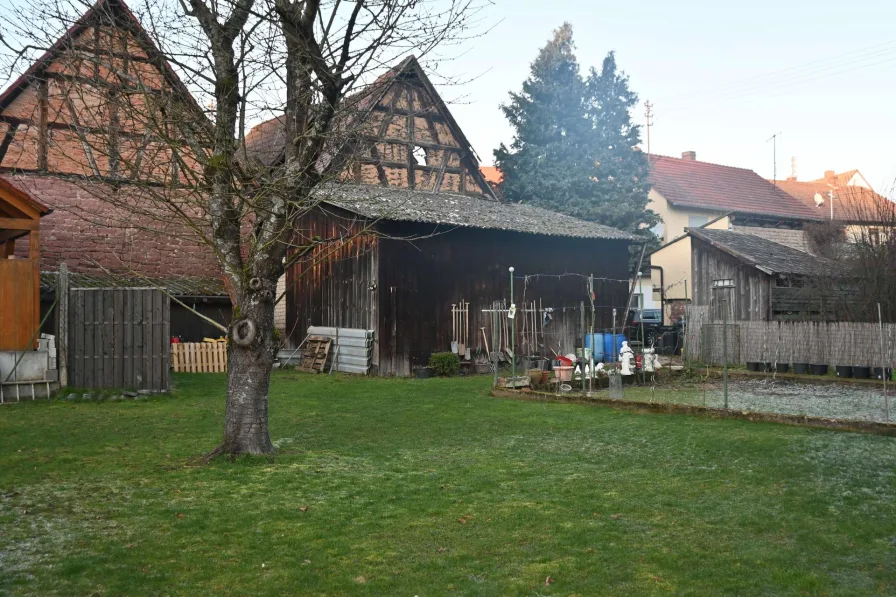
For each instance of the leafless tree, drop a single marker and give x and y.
(860, 241)
(167, 133)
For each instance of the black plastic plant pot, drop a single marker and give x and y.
(783, 367)
(801, 368)
(844, 371)
(752, 366)
(819, 369)
(861, 372)
(422, 372)
(768, 367)
(879, 372)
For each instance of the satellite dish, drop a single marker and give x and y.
(819, 200)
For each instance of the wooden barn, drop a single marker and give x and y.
(757, 279)
(417, 229)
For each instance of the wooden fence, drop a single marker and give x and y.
(199, 357)
(118, 338)
(830, 343)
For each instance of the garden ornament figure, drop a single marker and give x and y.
(627, 358)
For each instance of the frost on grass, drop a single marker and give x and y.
(854, 471)
(39, 526)
(832, 401)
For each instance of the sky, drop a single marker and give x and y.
(723, 77)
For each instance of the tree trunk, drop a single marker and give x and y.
(250, 356)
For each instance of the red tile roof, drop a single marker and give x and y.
(492, 175)
(689, 183)
(851, 203)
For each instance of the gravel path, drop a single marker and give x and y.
(829, 401)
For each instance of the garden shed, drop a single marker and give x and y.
(757, 279)
(19, 269)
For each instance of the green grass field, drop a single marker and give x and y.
(431, 487)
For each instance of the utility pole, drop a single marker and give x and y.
(648, 113)
(774, 140)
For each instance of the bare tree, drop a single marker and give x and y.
(860, 243)
(160, 106)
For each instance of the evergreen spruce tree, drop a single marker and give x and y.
(574, 150)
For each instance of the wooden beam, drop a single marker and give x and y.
(65, 126)
(18, 224)
(402, 165)
(7, 140)
(43, 113)
(399, 112)
(425, 144)
(34, 256)
(412, 159)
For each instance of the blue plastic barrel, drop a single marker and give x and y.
(609, 349)
(597, 341)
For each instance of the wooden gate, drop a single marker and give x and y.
(119, 338)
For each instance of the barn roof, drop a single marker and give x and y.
(766, 255)
(399, 204)
(689, 183)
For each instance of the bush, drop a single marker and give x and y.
(444, 363)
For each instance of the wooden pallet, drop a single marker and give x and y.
(314, 358)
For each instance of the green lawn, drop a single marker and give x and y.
(431, 487)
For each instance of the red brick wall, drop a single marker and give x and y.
(90, 233)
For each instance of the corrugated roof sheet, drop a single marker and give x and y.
(176, 286)
(761, 252)
(390, 203)
(689, 183)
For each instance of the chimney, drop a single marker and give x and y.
(829, 174)
(690, 156)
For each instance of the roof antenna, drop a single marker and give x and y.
(774, 140)
(793, 167)
(648, 113)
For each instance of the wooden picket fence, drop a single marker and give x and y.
(199, 357)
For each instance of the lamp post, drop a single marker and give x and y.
(510, 314)
(641, 317)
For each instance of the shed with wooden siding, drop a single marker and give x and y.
(764, 280)
(20, 216)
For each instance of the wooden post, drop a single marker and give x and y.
(62, 287)
(34, 256)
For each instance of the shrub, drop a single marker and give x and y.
(444, 363)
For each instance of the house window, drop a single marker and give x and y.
(874, 236)
(659, 230)
(697, 221)
(638, 301)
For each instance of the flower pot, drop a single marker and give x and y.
(819, 369)
(844, 371)
(753, 365)
(801, 368)
(861, 372)
(564, 373)
(534, 376)
(767, 368)
(545, 375)
(481, 368)
(782, 367)
(879, 372)
(423, 372)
